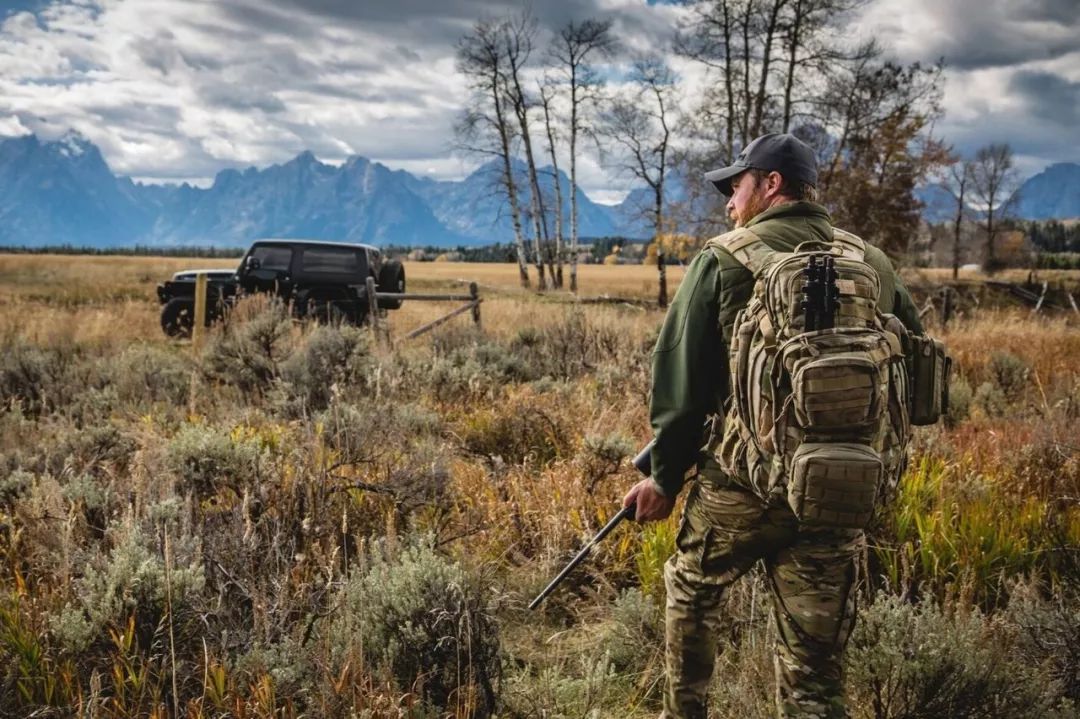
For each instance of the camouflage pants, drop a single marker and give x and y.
(723, 532)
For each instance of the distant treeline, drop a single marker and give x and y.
(136, 251)
(1054, 236)
(597, 247)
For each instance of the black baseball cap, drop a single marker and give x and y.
(786, 154)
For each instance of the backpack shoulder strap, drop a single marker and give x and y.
(746, 247)
(851, 245)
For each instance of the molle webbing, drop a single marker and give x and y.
(754, 254)
(746, 247)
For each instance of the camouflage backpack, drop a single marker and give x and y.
(819, 408)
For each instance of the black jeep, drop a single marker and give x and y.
(321, 280)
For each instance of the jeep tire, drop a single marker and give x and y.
(178, 317)
(391, 279)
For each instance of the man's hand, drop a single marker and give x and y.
(651, 505)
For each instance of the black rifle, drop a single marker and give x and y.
(643, 462)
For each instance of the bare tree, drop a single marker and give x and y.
(959, 185)
(486, 127)
(574, 48)
(770, 27)
(639, 129)
(993, 184)
(518, 36)
(709, 38)
(547, 92)
(811, 51)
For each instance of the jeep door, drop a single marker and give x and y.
(267, 268)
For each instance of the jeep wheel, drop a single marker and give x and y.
(391, 279)
(177, 317)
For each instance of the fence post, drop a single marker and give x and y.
(373, 309)
(474, 292)
(660, 267)
(199, 326)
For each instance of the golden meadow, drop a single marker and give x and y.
(295, 520)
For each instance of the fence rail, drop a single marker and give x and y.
(472, 302)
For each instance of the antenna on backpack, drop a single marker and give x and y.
(812, 295)
(830, 295)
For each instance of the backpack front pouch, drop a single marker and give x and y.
(834, 484)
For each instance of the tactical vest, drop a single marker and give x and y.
(818, 412)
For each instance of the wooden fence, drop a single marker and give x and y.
(472, 303)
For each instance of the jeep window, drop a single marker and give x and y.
(331, 260)
(273, 258)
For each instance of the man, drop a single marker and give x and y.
(726, 527)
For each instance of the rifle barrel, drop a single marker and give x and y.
(624, 513)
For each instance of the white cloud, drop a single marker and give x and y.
(175, 89)
(11, 126)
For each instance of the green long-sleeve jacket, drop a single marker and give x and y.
(690, 361)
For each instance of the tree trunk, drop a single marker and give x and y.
(510, 185)
(729, 83)
(957, 227)
(766, 57)
(557, 277)
(573, 180)
(521, 110)
(746, 75)
(793, 60)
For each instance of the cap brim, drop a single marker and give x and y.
(722, 178)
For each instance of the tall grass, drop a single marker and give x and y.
(461, 471)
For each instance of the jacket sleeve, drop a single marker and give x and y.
(686, 376)
(905, 310)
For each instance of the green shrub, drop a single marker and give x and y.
(90, 449)
(36, 379)
(914, 661)
(515, 432)
(249, 354)
(572, 346)
(636, 636)
(206, 458)
(587, 687)
(602, 455)
(991, 400)
(1010, 373)
(424, 620)
(150, 373)
(1047, 636)
(129, 581)
(960, 400)
(462, 370)
(361, 432)
(13, 486)
(333, 359)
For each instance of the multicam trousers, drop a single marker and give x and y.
(724, 530)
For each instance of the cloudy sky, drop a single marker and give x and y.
(180, 89)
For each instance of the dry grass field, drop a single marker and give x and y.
(293, 520)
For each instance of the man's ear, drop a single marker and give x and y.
(774, 181)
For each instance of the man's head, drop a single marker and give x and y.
(771, 170)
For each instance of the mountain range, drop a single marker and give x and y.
(63, 192)
(1053, 194)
